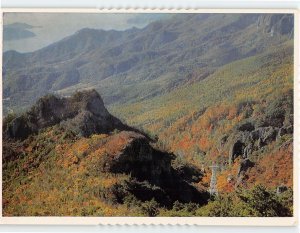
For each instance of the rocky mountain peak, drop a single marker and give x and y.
(126, 152)
(83, 113)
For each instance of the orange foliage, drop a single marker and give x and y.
(232, 112)
(274, 169)
(204, 144)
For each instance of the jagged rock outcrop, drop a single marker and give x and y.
(83, 113)
(264, 134)
(153, 175)
(277, 24)
(245, 142)
(249, 138)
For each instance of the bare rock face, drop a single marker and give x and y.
(245, 142)
(83, 113)
(277, 23)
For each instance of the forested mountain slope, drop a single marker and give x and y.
(138, 64)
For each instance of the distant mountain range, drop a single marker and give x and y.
(137, 64)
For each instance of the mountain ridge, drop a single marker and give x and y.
(111, 148)
(135, 56)
(83, 114)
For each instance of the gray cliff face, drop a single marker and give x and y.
(83, 113)
(246, 142)
(277, 24)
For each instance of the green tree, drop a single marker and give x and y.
(264, 203)
(150, 208)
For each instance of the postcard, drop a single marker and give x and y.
(149, 117)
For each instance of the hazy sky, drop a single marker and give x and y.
(51, 27)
